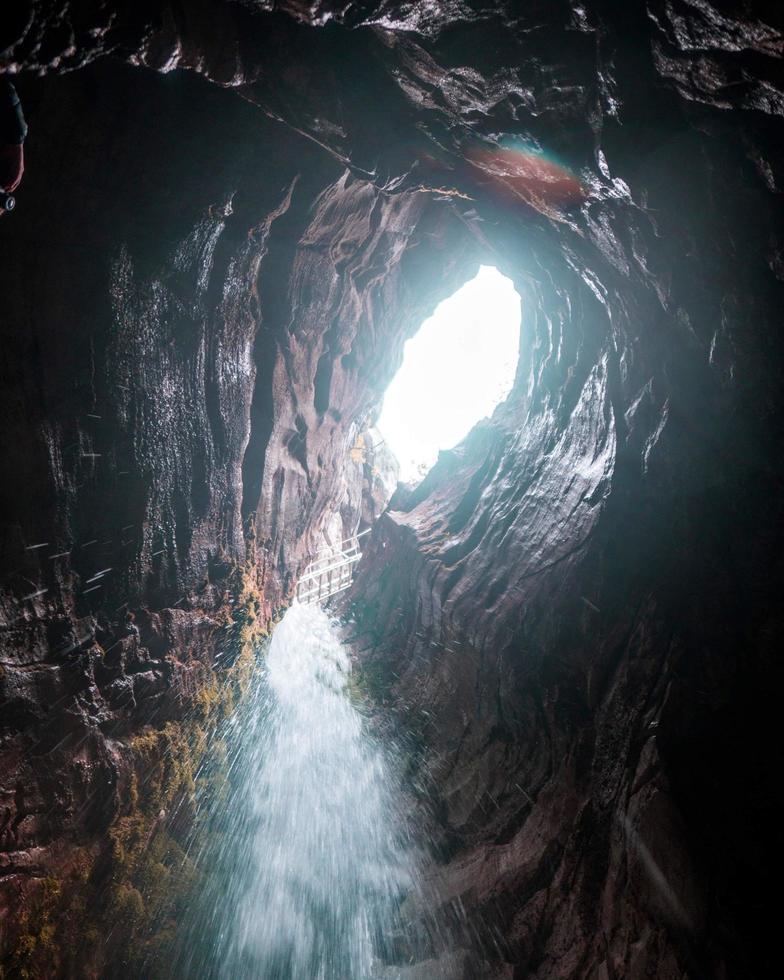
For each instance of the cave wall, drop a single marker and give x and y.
(575, 615)
(574, 618)
(204, 311)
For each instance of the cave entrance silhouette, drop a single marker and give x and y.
(459, 365)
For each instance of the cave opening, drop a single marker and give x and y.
(456, 369)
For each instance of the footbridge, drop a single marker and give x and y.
(331, 572)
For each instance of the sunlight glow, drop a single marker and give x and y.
(456, 369)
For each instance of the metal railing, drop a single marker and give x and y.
(331, 573)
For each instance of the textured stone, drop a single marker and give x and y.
(575, 617)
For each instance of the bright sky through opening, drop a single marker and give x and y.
(455, 370)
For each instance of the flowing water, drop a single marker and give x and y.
(307, 862)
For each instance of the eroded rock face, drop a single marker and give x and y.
(192, 347)
(561, 614)
(575, 616)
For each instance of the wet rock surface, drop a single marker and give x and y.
(574, 617)
(178, 421)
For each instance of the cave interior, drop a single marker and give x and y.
(233, 216)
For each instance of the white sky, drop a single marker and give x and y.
(455, 370)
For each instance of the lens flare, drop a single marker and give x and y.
(519, 174)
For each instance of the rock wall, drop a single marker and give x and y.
(203, 310)
(575, 617)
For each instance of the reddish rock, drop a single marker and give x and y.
(575, 617)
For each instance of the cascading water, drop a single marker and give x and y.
(310, 864)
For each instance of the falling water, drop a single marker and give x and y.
(311, 865)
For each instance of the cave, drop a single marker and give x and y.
(234, 214)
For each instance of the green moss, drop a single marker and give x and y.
(155, 877)
(373, 680)
(44, 930)
(125, 904)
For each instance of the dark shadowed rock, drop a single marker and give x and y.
(233, 216)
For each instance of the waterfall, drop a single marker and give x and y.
(307, 863)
